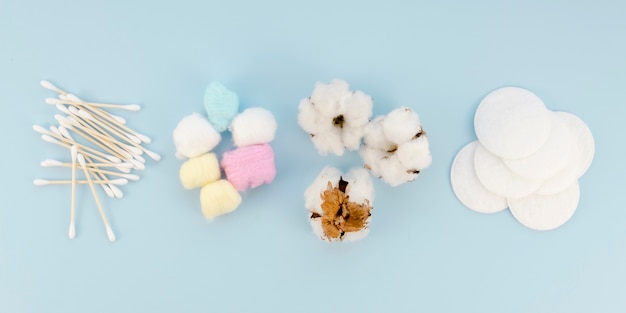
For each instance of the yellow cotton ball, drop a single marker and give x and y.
(219, 198)
(199, 171)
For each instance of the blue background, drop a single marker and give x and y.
(426, 252)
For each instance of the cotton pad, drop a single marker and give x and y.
(546, 212)
(221, 105)
(199, 171)
(468, 188)
(498, 178)
(253, 126)
(585, 141)
(552, 157)
(194, 136)
(512, 122)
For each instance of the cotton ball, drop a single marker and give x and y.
(217, 198)
(401, 125)
(199, 171)
(221, 105)
(415, 154)
(194, 136)
(253, 126)
(249, 166)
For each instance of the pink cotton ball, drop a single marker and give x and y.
(249, 166)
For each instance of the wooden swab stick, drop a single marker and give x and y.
(45, 182)
(122, 167)
(72, 231)
(106, 187)
(92, 137)
(110, 233)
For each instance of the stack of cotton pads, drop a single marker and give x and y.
(250, 165)
(527, 158)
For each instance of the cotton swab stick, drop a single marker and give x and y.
(72, 231)
(45, 182)
(104, 158)
(122, 167)
(83, 164)
(105, 187)
(95, 139)
(129, 107)
(77, 101)
(48, 85)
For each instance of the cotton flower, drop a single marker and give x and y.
(396, 147)
(339, 205)
(335, 117)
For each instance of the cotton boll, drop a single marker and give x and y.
(221, 105)
(310, 120)
(351, 137)
(312, 199)
(372, 159)
(394, 173)
(329, 141)
(316, 226)
(253, 126)
(374, 137)
(360, 185)
(326, 98)
(355, 235)
(415, 154)
(194, 135)
(358, 108)
(401, 124)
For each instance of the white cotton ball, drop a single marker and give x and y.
(401, 125)
(358, 108)
(360, 185)
(253, 126)
(329, 141)
(415, 154)
(326, 98)
(194, 136)
(312, 195)
(374, 137)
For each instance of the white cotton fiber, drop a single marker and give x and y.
(468, 188)
(548, 212)
(512, 122)
(401, 124)
(396, 149)
(360, 185)
(194, 136)
(312, 199)
(335, 117)
(253, 126)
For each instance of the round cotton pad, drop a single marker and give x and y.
(552, 157)
(546, 212)
(468, 188)
(498, 178)
(512, 122)
(585, 141)
(564, 178)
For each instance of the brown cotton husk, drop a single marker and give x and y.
(339, 214)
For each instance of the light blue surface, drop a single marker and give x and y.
(425, 253)
(221, 105)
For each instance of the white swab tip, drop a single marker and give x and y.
(117, 192)
(110, 233)
(72, 231)
(133, 138)
(73, 110)
(49, 163)
(108, 191)
(40, 182)
(153, 155)
(48, 139)
(144, 138)
(74, 151)
(85, 114)
(81, 161)
(125, 165)
(133, 107)
(113, 159)
(53, 101)
(40, 129)
(73, 98)
(48, 85)
(119, 181)
(119, 119)
(133, 177)
(63, 131)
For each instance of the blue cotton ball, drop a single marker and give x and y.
(221, 105)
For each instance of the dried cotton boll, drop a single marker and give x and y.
(335, 117)
(194, 136)
(249, 166)
(221, 105)
(199, 171)
(253, 126)
(396, 148)
(340, 206)
(217, 198)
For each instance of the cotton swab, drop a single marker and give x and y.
(105, 187)
(83, 164)
(77, 101)
(122, 167)
(48, 85)
(46, 182)
(74, 153)
(95, 139)
(93, 153)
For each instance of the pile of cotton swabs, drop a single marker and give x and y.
(106, 152)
